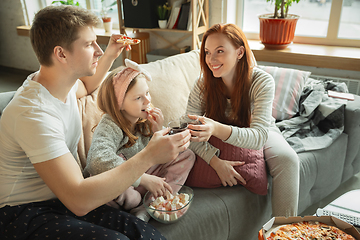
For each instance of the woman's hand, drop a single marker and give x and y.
(156, 117)
(156, 185)
(226, 172)
(203, 131)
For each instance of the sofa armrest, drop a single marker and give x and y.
(5, 98)
(352, 116)
(352, 129)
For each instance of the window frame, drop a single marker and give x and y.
(331, 39)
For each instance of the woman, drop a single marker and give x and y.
(234, 99)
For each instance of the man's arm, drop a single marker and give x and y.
(90, 83)
(63, 176)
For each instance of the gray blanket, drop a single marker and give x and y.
(320, 120)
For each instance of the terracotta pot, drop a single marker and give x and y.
(107, 24)
(277, 33)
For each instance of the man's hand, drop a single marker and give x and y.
(163, 148)
(114, 49)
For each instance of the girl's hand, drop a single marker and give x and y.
(226, 172)
(156, 117)
(156, 185)
(202, 132)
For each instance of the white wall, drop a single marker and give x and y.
(16, 51)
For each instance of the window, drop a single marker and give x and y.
(30, 7)
(327, 22)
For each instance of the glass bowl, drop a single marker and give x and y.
(161, 213)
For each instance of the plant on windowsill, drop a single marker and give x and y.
(104, 15)
(163, 12)
(277, 30)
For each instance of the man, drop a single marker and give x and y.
(43, 192)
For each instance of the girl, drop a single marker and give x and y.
(236, 98)
(125, 129)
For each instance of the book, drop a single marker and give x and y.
(177, 20)
(184, 16)
(189, 25)
(342, 95)
(174, 14)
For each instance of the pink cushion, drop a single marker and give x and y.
(254, 170)
(289, 84)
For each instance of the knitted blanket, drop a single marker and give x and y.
(320, 120)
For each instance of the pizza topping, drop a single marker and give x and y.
(127, 40)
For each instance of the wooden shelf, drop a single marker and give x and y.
(200, 23)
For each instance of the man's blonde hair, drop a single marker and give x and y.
(58, 26)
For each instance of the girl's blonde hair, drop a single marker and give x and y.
(108, 103)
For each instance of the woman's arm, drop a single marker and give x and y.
(262, 94)
(194, 107)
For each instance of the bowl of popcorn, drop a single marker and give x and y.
(170, 207)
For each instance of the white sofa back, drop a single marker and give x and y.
(173, 79)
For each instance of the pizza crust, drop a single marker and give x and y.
(306, 230)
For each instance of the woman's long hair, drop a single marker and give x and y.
(108, 103)
(214, 90)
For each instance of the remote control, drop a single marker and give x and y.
(345, 217)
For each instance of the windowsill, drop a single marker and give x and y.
(345, 58)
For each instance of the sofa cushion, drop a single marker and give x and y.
(254, 170)
(172, 81)
(90, 116)
(289, 84)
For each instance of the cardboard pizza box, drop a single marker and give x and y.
(276, 221)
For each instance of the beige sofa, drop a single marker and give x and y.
(231, 212)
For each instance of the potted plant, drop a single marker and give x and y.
(277, 30)
(104, 15)
(163, 12)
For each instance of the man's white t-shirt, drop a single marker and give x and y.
(34, 127)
